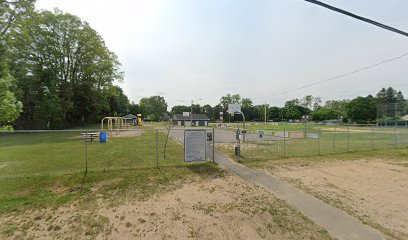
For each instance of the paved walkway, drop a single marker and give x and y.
(339, 224)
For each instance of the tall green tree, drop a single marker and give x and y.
(324, 113)
(118, 102)
(337, 105)
(179, 109)
(64, 70)
(294, 110)
(389, 95)
(249, 110)
(274, 114)
(10, 108)
(228, 99)
(153, 107)
(216, 112)
(362, 110)
(196, 109)
(208, 111)
(135, 108)
(11, 12)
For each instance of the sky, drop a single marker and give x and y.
(189, 50)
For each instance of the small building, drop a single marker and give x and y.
(130, 119)
(185, 120)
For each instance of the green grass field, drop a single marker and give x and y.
(40, 169)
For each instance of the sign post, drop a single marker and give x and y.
(238, 146)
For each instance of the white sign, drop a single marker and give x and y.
(233, 108)
(195, 145)
(221, 115)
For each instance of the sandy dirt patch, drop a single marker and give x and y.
(218, 208)
(374, 191)
(3, 164)
(345, 130)
(130, 133)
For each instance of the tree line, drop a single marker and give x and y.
(309, 108)
(55, 70)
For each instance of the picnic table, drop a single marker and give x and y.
(90, 135)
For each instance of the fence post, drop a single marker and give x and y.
(213, 138)
(157, 147)
(86, 150)
(372, 138)
(395, 136)
(284, 142)
(318, 141)
(334, 140)
(305, 130)
(348, 139)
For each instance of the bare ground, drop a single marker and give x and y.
(217, 208)
(3, 164)
(127, 133)
(374, 191)
(346, 130)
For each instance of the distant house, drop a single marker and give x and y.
(129, 117)
(185, 120)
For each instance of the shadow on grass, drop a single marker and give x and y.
(27, 139)
(206, 170)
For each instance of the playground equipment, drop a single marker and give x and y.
(133, 120)
(139, 119)
(115, 124)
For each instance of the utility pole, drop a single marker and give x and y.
(191, 113)
(191, 110)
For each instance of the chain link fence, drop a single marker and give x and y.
(392, 114)
(71, 151)
(302, 140)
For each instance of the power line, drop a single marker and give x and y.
(364, 19)
(378, 24)
(341, 75)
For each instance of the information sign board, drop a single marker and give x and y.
(195, 145)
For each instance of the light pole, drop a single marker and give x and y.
(191, 112)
